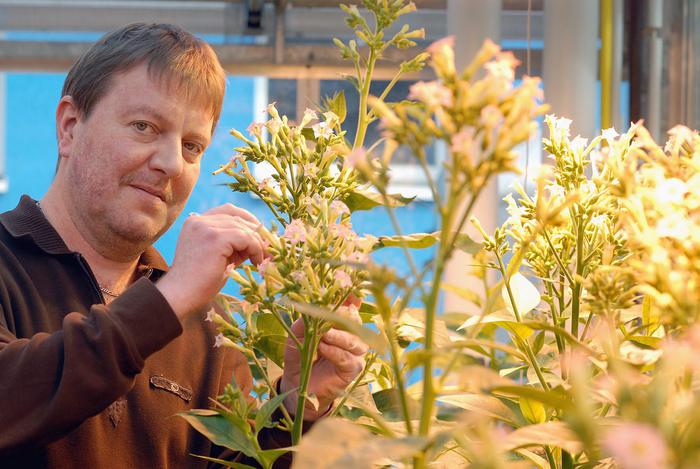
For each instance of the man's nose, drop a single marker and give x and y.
(168, 157)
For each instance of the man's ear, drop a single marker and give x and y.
(67, 115)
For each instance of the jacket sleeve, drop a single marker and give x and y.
(51, 383)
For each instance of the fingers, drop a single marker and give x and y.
(345, 363)
(244, 240)
(345, 341)
(232, 210)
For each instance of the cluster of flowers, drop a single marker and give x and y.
(480, 116)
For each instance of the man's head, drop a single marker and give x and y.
(138, 110)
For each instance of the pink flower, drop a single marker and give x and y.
(491, 116)
(264, 265)
(431, 93)
(295, 232)
(440, 45)
(463, 141)
(636, 446)
(247, 307)
(503, 66)
(355, 158)
(310, 169)
(255, 129)
(236, 160)
(342, 279)
(342, 230)
(340, 208)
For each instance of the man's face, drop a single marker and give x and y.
(134, 160)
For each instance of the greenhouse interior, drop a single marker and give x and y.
(350, 234)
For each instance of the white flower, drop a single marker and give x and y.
(670, 190)
(322, 129)
(555, 190)
(610, 135)
(309, 115)
(598, 220)
(236, 160)
(342, 279)
(431, 93)
(298, 276)
(295, 232)
(265, 185)
(210, 315)
(310, 169)
(674, 225)
(579, 144)
(331, 118)
(221, 340)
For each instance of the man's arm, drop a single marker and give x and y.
(51, 383)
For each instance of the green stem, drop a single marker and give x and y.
(273, 391)
(353, 386)
(307, 354)
(396, 367)
(362, 119)
(563, 269)
(576, 286)
(524, 343)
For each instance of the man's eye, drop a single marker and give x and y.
(193, 147)
(142, 126)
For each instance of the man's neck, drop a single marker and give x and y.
(115, 275)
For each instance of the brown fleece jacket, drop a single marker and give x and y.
(89, 385)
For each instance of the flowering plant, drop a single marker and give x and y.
(578, 351)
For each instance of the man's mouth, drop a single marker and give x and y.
(151, 190)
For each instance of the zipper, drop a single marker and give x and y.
(93, 281)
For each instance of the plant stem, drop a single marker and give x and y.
(396, 367)
(563, 269)
(354, 385)
(525, 344)
(576, 287)
(273, 391)
(307, 354)
(364, 93)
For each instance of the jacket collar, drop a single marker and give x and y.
(27, 220)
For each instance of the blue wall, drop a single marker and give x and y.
(31, 161)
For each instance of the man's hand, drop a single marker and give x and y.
(209, 243)
(340, 360)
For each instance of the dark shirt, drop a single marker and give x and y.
(84, 384)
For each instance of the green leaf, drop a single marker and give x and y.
(485, 405)
(262, 418)
(555, 397)
(525, 294)
(308, 134)
(269, 456)
(369, 337)
(337, 105)
(464, 293)
(271, 337)
(501, 318)
(466, 244)
(532, 410)
(235, 465)
(388, 402)
(368, 311)
(645, 341)
(556, 434)
(337, 443)
(221, 430)
(365, 200)
(412, 241)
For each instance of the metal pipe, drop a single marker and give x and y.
(654, 29)
(606, 63)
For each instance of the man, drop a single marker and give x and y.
(99, 346)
